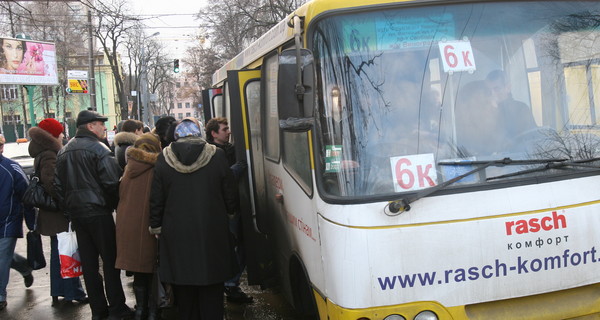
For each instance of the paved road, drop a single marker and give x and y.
(35, 303)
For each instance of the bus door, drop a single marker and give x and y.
(246, 130)
(213, 101)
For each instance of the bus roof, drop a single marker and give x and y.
(270, 40)
(281, 33)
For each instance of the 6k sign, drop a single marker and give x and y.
(413, 172)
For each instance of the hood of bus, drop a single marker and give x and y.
(463, 248)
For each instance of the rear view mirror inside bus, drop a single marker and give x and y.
(296, 94)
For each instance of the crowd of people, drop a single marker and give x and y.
(158, 205)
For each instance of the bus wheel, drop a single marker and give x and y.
(302, 293)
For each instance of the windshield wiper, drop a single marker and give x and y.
(550, 165)
(402, 205)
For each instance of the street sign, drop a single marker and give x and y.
(77, 81)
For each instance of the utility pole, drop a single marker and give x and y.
(92, 79)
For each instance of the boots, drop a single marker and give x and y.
(141, 305)
(153, 312)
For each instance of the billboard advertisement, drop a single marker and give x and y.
(27, 62)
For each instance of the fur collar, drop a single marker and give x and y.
(125, 137)
(142, 155)
(207, 153)
(42, 140)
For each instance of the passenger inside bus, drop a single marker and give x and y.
(514, 116)
(477, 127)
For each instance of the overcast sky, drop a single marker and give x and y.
(171, 27)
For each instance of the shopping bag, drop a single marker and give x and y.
(35, 252)
(70, 262)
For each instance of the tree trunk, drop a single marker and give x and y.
(24, 112)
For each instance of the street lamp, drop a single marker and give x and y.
(144, 83)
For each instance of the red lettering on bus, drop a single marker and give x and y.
(556, 221)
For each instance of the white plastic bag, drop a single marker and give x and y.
(70, 262)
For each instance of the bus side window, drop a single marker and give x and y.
(296, 158)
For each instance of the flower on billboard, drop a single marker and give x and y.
(37, 52)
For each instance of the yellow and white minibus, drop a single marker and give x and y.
(422, 159)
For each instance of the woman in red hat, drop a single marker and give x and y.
(46, 141)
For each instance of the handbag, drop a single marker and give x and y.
(68, 253)
(162, 292)
(35, 251)
(36, 196)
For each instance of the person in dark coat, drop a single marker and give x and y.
(130, 131)
(136, 247)
(192, 196)
(46, 141)
(164, 128)
(218, 133)
(87, 181)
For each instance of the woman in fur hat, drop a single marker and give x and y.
(46, 141)
(136, 247)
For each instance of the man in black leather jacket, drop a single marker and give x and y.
(87, 181)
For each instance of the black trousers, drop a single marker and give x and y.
(200, 302)
(96, 239)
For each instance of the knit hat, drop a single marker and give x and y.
(148, 142)
(52, 126)
(186, 129)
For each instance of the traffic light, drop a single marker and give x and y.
(176, 65)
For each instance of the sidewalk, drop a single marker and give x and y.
(35, 302)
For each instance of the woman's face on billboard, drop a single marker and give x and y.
(13, 53)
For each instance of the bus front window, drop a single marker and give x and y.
(408, 94)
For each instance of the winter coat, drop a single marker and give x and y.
(238, 167)
(13, 183)
(87, 177)
(43, 148)
(136, 247)
(229, 151)
(123, 140)
(192, 195)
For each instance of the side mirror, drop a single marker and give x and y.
(295, 89)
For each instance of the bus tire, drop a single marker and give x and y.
(302, 292)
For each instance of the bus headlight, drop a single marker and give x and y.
(426, 315)
(394, 317)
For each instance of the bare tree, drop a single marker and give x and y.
(54, 23)
(134, 43)
(166, 96)
(203, 61)
(113, 24)
(232, 24)
(143, 50)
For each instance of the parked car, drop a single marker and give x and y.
(19, 151)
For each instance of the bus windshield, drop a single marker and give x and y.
(412, 97)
